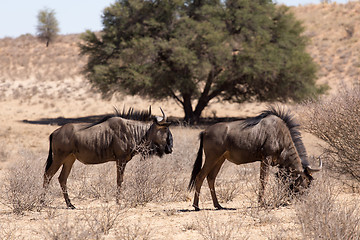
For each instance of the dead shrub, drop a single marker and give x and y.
(336, 120)
(103, 219)
(277, 192)
(228, 189)
(144, 183)
(322, 214)
(67, 227)
(23, 184)
(211, 228)
(133, 232)
(96, 181)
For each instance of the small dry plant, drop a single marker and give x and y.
(144, 182)
(228, 182)
(277, 191)
(95, 181)
(323, 214)
(133, 232)
(68, 227)
(212, 228)
(23, 184)
(336, 120)
(103, 219)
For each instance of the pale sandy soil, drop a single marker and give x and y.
(27, 105)
(159, 220)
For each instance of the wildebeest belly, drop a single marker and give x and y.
(91, 157)
(239, 156)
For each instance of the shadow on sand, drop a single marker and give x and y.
(206, 209)
(60, 121)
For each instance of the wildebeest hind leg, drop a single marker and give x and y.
(211, 182)
(49, 173)
(65, 171)
(208, 166)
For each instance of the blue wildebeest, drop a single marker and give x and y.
(112, 139)
(272, 138)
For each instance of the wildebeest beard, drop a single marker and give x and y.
(155, 149)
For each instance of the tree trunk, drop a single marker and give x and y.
(193, 117)
(189, 114)
(199, 108)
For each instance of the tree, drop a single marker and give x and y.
(235, 50)
(47, 27)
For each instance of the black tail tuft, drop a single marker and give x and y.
(197, 164)
(50, 156)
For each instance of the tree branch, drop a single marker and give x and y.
(173, 95)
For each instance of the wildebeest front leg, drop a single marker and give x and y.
(264, 173)
(120, 167)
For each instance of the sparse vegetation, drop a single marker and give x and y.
(44, 85)
(322, 216)
(21, 188)
(336, 120)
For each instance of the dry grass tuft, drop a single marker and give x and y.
(23, 185)
(322, 216)
(212, 229)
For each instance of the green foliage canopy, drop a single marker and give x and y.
(234, 50)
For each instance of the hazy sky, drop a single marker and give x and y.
(19, 17)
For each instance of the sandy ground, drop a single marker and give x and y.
(26, 122)
(30, 111)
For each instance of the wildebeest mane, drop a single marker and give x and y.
(130, 114)
(291, 124)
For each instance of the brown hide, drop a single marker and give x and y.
(271, 138)
(112, 139)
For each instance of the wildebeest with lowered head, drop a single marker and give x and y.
(112, 139)
(272, 138)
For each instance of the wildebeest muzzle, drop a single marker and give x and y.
(169, 144)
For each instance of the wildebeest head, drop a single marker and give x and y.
(160, 137)
(298, 181)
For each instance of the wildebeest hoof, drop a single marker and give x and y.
(218, 207)
(196, 208)
(71, 206)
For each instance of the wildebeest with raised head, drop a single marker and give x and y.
(272, 138)
(112, 139)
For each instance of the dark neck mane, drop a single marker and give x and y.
(130, 114)
(290, 122)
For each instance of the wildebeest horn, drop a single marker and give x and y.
(161, 120)
(164, 116)
(311, 170)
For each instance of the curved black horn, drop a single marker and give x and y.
(161, 120)
(311, 170)
(164, 116)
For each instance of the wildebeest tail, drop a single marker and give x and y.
(197, 164)
(50, 156)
